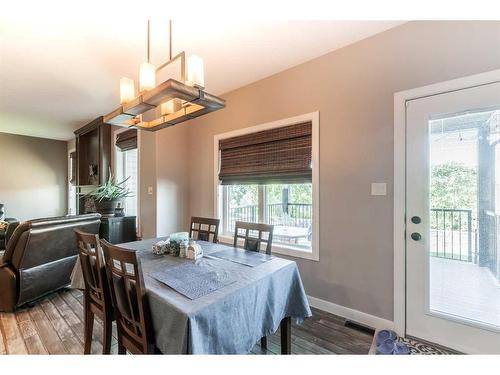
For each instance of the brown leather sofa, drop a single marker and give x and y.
(40, 256)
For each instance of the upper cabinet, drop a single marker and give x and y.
(93, 153)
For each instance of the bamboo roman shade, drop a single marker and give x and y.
(279, 155)
(127, 140)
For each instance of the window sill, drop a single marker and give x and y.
(280, 249)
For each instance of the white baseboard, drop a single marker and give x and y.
(351, 314)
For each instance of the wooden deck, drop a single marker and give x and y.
(464, 290)
(54, 325)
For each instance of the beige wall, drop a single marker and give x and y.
(147, 177)
(164, 158)
(172, 180)
(353, 89)
(33, 176)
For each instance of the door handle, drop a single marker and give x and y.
(416, 236)
(416, 220)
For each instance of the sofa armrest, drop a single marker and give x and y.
(10, 229)
(8, 291)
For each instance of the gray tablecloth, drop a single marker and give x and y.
(229, 320)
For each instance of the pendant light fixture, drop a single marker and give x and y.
(169, 103)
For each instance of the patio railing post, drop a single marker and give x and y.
(469, 235)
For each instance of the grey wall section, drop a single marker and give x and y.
(164, 162)
(33, 176)
(147, 170)
(172, 180)
(353, 90)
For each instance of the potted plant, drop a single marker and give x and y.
(109, 195)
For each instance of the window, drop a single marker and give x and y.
(126, 167)
(130, 172)
(72, 182)
(268, 174)
(287, 206)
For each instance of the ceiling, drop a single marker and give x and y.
(57, 76)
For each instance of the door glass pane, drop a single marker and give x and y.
(464, 269)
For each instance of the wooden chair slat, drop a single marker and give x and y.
(202, 233)
(133, 320)
(253, 243)
(97, 299)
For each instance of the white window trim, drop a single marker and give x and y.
(279, 248)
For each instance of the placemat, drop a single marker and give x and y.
(247, 258)
(193, 280)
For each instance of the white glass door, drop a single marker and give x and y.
(453, 219)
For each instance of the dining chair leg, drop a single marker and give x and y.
(89, 327)
(106, 334)
(121, 347)
(263, 342)
(286, 335)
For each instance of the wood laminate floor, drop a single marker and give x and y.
(54, 325)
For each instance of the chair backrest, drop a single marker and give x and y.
(128, 292)
(204, 227)
(93, 269)
(254, 234)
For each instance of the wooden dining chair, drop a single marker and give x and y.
(128, 293)
(253, 235)
(204, 227)
(97, 298)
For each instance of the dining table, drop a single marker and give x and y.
(257, 299)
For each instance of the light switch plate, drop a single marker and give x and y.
(150, 190)
(379, 188)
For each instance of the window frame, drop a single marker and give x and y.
(71, 201)
(119, 170)
(283, 249)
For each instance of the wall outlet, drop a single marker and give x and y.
(150, 190)
(379, 188)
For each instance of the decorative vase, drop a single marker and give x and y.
(106, 207)
(119, 210)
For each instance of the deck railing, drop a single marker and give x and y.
(293, 215)
(453, 235)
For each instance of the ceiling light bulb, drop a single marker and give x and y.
(170, 107)
(127, 90)
(147, 77)
(195, 71)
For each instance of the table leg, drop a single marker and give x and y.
(286, 336)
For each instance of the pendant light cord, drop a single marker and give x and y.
(148, 51)
(170, 38)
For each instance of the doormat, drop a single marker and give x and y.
(425, 348)
(419, 347)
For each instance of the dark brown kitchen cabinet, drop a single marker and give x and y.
(93, 158)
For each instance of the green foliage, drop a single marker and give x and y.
(243, 195)
(297, 193)
(453, 185)
(248, 195)
(111, 190)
